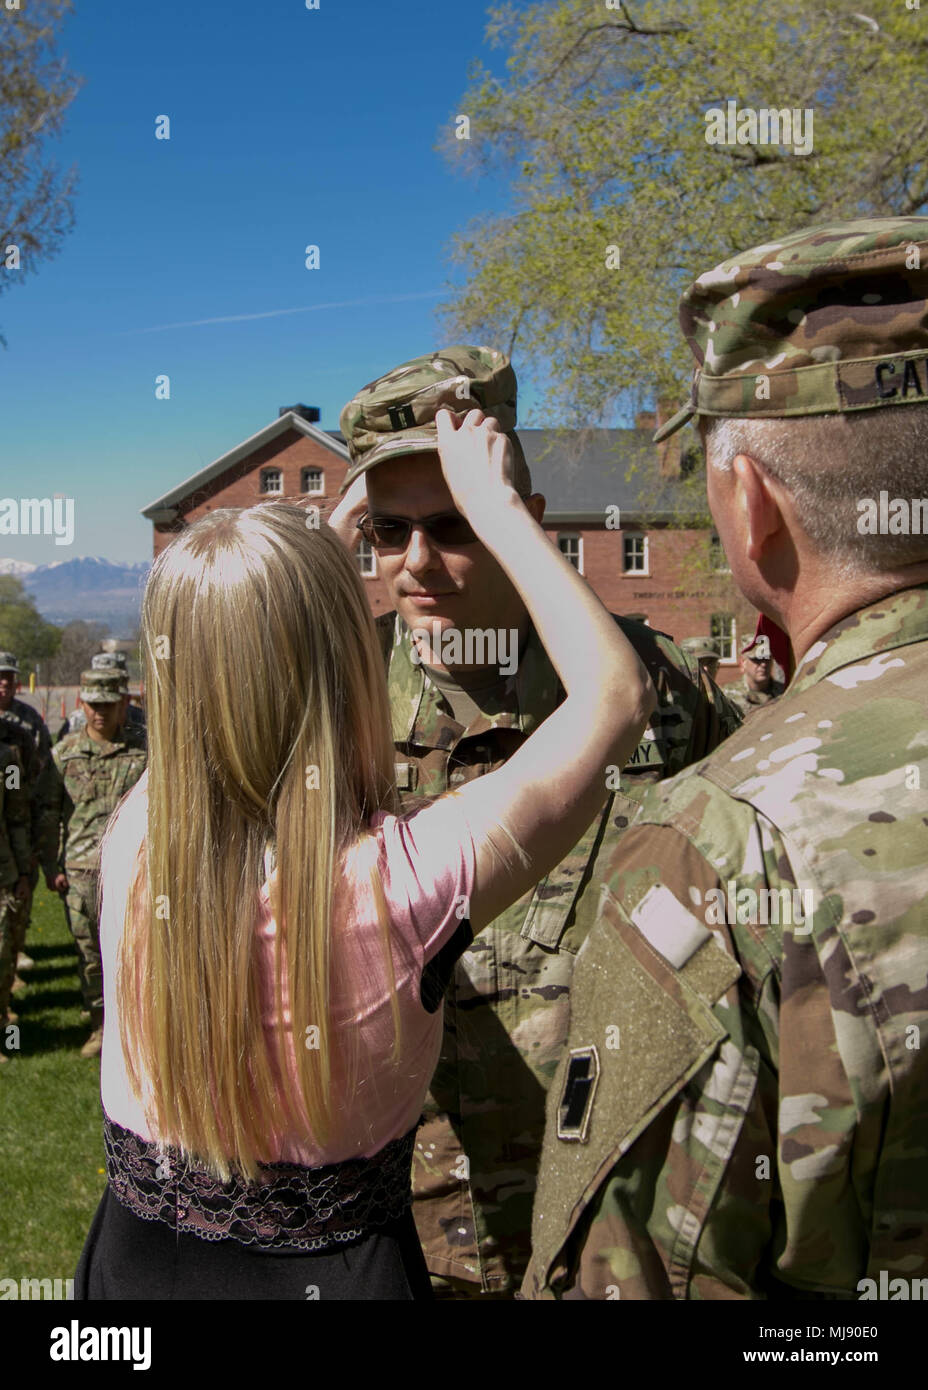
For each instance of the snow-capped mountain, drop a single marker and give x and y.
(88, 587)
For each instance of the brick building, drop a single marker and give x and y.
(624, 535)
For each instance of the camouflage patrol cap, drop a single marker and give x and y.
(108, 661)
(829, 319)
(8, 662)
(395, 415)
(700, 647)
(102, 687)
(761, 642)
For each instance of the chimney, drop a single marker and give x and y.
(310, 413)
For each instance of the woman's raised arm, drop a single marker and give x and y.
(549, 791)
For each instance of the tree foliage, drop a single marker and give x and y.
(23, 630)
(36, 209)
(600, 121)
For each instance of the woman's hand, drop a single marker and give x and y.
(343, 519)
(477, 461)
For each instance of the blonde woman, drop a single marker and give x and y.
(268, 919)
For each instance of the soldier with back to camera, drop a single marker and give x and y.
(743, 1109)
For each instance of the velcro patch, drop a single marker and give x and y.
(406, 777)
(670, 928)
(576, 1104)
(402, 417)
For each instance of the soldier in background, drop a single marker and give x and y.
(455, 719)
(705, 651)
(15, 865)
(104, 661)
(757, 685)
(23, 726)
(744, 1113)
(93, 770)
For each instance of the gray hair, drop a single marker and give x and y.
(829, 464)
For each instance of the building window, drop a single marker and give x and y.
(312, 481)
(571, 547)
(367, 562)
(717, 557)
(272, 480)
(722, 632)
(635, 554)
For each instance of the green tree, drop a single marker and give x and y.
(36, 209)
(600, 120)
(23, 630)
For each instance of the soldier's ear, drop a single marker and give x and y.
(536, 506)
(759, 504)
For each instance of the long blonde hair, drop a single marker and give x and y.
(269, 726)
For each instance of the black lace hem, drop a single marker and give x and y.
(287, 1207)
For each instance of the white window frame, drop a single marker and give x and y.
(724, 567)
(312, 491)
(266, 475)
(636, 536)
(367, 553)
(572, 536)
(721, 638)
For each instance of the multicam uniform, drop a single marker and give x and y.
(756, 1121)
(749, 700)
(89, 780)
(506, 1009)
(24, 726)
(14, 860)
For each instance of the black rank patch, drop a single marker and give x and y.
(437, 974)
(402, 417)
(573, 1113)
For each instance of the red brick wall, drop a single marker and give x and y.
(679, 593)
(240, 486)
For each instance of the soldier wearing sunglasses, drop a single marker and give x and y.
(757, 685)
(507, 996)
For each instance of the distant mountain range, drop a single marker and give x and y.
(87, 587)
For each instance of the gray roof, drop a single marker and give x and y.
(580, 472)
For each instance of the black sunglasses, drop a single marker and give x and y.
(392, 532)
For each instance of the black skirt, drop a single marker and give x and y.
(168, 1229)
(127, 1258)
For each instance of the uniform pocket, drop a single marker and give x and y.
(647, 1028)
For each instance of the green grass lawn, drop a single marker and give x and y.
(51, 1138)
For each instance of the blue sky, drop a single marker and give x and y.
(288, 127)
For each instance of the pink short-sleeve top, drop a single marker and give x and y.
(426, 864)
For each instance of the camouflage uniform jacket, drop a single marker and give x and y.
(25, 727)
(89, 780)
(748, 700)
(506, 1008)
(14, 817)
(743, 1108)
